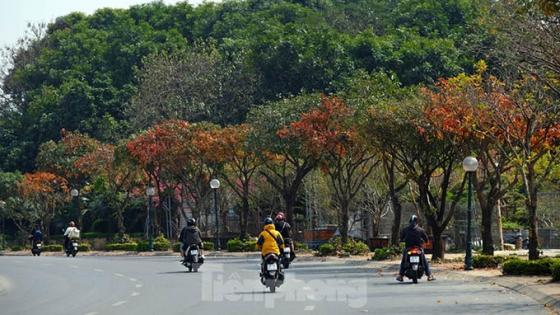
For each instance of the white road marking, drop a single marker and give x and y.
(46, 265)
(132, 279)
(119, 303)
(119, 274)
(307, 288)
(92, 313)
(309, 308)
(135, 294)
(98, 270)
(139, 285)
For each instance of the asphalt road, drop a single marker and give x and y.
(160, 285)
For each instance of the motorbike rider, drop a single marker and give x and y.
(412, 236)
(284, 228)
(270, 241)
(36, 235)
(190, 235)
(71, 233)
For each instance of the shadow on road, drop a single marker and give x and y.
(173, 272)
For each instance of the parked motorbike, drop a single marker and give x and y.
(36, 248)
(272, 276)
(72, 248)
(414, 269)
(287, 254)
(193, 258)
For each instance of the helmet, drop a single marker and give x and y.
(280, 216)
(413, 220)
(191, 222)
(268, 220)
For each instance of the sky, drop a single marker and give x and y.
(16, 14)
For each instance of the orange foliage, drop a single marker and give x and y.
(42, 183)
(324, 129)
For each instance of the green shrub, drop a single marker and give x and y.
(161, 243)
(386, 253)
(487, 261)
(122, 246)
(539, 267)
(84, 247)
(142, 246)
(208, 245)
(16, 248)
(52, 248)
(355, 248)
(301, 246)
(249, 245)
(176, 247)
(327, 249)
(234, 245)
(555, 270)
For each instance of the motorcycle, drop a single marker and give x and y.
(72, 248)
(272, 276)
(36, 248)
(193, 258)
(287, 254)
(414, 268)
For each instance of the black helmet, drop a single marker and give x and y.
(268, 220)
(413, 220)
(191, 222)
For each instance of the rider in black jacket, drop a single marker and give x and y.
(190, 235)
(285, 229)
(414, 236)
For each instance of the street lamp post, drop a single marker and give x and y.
(215, 184)
(470, 165)
(150, 192)
(75, 200)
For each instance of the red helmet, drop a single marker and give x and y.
(280, 216)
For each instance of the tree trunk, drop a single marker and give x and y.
(437, 245)
(397, 215)
(487, 239)
(533, 230)
(243, 218)
(290, 201)
(344, 218)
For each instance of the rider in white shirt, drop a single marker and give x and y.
(70, 233)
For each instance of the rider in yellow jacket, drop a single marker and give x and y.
(270, 241)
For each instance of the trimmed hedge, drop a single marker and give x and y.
(52, 248)
(301, 246)
(122, 246)
(161, 243)
(356, 248)
(487, 261)
(555, 270)
(84, 247)
(539, 267)
(208, 245)
(237, 245)
(234, 245)
(327, 249)
(386, 253)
